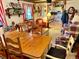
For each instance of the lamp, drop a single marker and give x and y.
(48, 15)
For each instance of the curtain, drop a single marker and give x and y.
(28, 11)
(2, 14)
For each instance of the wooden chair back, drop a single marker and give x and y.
(70, 44)
(3, 51)
(13, 48)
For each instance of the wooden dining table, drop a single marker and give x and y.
(34, 47)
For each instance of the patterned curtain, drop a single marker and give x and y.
(2, 14)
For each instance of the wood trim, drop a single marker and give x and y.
(40, 2)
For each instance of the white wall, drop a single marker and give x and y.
(14, 18)
(74, 3)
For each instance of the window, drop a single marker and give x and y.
(29, 13)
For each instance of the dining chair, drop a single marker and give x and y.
(62, 52)
(3, 54)
(61, 41)
(13, 48)
(37, 29)
(29, 26)
(37, 26)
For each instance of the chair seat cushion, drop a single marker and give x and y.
(62, 41)
(58, 53)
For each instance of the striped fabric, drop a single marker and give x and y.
(62, 41)
(2, 16)
(74, 29)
